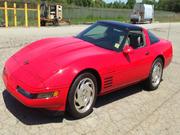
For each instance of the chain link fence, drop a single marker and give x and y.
(84, 13)
(20, 13)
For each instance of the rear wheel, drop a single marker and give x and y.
(150, 21)
(43, 23)
(56, 22)
(82, 95)
(134, 21)
(155, 76)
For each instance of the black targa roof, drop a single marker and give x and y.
(124, 26)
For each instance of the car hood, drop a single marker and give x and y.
(45, 57)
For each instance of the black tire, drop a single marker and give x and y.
(56, 22)
(71, 109)
(133, 22)
(43, 23)
(150, 21)
(148, 82)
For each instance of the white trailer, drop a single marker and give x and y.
(142, 13)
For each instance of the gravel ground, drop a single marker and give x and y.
(131, 111)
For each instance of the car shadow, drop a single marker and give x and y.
(31, 116)
(117, 95)
(26, 115)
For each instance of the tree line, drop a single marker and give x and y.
(168, 5)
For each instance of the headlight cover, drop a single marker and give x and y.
(47, 95)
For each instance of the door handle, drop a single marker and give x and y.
(147, 53)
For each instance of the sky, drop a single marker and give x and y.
(108, 1)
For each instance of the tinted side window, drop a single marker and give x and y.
(136, 40)
(153, 38)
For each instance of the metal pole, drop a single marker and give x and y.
(15, 15)
(26, 14)
(6, 14)
(39, 14)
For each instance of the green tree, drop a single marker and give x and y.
(152, 2)
(169, 5)
(70, 1)
(130, 3)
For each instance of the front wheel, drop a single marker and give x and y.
(82, 95)
(155, 76)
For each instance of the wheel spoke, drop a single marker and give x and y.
(79, 101)
(88, 88)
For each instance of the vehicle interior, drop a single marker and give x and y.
(136, 39)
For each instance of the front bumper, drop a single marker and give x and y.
(55, 103)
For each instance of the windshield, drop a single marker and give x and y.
(105, 36)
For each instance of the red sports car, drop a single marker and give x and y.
(69, 73)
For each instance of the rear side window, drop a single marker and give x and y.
(153, 38)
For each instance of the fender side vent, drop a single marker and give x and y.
(108, 82)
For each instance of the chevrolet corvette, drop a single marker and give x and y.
(68, 74)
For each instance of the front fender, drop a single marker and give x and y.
(64, 77)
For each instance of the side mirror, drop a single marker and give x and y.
(127, 49)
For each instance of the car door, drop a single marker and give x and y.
(134, 66)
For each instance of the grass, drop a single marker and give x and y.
(94, 19)
(33, 21)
